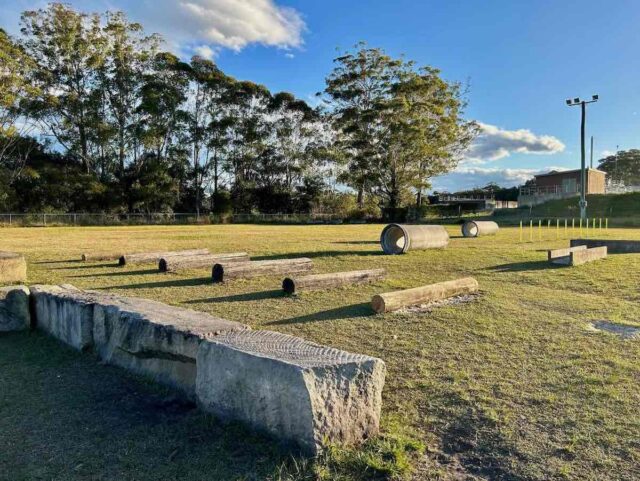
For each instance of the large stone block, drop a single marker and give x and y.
(295, 390)
(65, 313)
(14, 308)
(154, 339)
(13, 267)
(613, 246)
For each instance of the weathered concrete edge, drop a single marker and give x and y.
(14, 308)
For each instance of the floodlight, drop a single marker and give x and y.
(576, 100)
(568, 101)
(594, 97)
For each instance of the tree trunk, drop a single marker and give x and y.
(392, 301)
(176, 263)
(292, 285)
(153, 257)
(225, 272)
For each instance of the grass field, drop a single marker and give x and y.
(509, 386)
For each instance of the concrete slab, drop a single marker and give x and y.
(613, 246)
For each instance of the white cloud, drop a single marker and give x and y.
(469, 177)
(232, 24)
(289, 55)
(205, 51)
(607, 153)
(495, 143)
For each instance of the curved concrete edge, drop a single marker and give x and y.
(14, 309)
(295, 390)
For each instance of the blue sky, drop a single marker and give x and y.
(521, 58)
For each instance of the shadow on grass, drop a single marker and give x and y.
(476, 442)
(316, 254)
(249, 296)
(170, 283)
(523, 266)
(87, 266)
(121, 273)
(345, 312)
(69, 261)
(366, 242)
(111, 424)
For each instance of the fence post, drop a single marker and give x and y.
(520, 230)
(9, 219)
(44, 219)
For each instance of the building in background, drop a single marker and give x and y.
(560, 185)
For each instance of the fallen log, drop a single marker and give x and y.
(90, 256)
(292, 285)
(392, 301)
(226, 271)
(476, 228)
(153, 257)
(176, 263)
(400, 238)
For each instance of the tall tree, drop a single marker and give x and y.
(67, 48)
(624, 166)
(398, 125)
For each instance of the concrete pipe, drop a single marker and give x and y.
(400, 238)
(475, 228)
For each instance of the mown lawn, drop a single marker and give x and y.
(510, 386)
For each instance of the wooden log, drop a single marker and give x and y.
(292, 285)
(225, 271)
(176, 263)
(153, 257)
(91, 256)
(392, 301)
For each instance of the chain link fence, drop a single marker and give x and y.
(158, 218)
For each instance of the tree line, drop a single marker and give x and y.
(96, 117)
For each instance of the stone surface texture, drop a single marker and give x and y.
(14, 309)
(293, 389)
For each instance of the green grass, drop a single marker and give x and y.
(509, 386)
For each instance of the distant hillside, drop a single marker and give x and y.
(600, 205)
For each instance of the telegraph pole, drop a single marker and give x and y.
(583, 173)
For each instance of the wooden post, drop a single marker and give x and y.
(292, 285)
(177, 263)
(225, 272)
(392, 301)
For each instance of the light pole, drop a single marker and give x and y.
(583, 174)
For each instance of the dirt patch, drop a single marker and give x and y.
(430, 306)
(621, 330)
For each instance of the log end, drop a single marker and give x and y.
(289, 286)
(162, 265)
(217, 273)
(377, 303)
(122, 261)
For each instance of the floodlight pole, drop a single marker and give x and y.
(583, 173)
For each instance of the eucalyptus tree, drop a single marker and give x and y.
(128, 61)
(67, 48)
(14, 88)
(398, 125)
